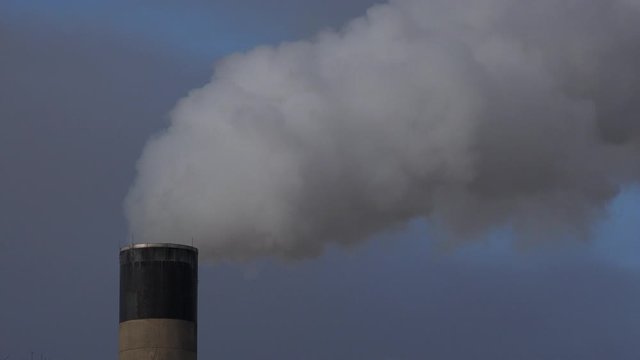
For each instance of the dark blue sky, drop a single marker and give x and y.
(83, 84)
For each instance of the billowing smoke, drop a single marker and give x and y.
(470, 113)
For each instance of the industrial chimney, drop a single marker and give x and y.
(158, 302)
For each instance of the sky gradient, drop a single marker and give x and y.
(83, 84)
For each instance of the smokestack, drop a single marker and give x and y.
(158, 302)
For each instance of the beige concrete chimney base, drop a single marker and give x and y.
(158, 339)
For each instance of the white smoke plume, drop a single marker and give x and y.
(470, 113)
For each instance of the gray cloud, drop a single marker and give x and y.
(473, 114)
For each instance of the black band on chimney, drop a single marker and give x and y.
(158, 281)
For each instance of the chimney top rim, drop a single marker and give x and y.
(158, 245)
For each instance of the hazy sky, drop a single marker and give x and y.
(83, 84)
